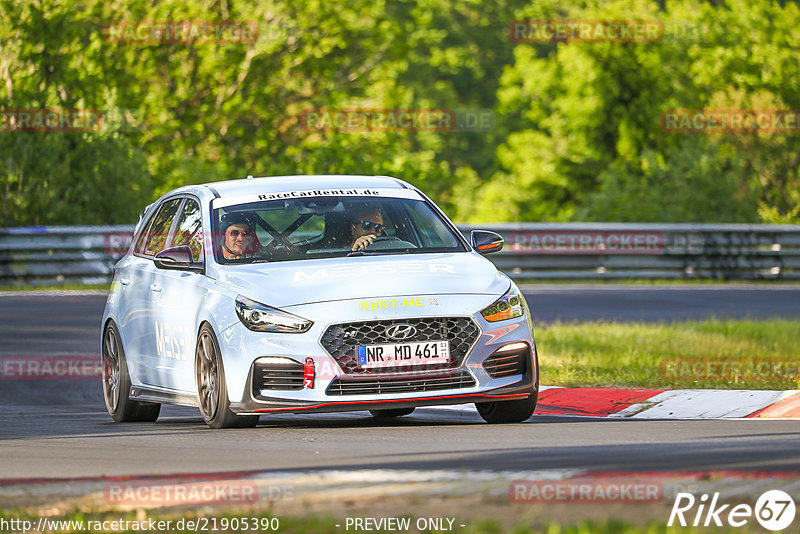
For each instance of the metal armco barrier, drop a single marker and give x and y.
(54, 255)
(87, 254)
(618, 250)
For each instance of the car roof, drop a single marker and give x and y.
(274, 184)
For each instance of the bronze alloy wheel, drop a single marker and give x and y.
(207, 376)
(111, 370)
(117, 383)
(212, 391)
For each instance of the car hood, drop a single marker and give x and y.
(302, 282)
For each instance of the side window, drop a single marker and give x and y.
(139, 249)
(156, 239)
(190, 229)
(142, 227)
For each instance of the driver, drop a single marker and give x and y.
(365, 227)
(238, 236)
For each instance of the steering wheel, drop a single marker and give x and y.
(387, 242)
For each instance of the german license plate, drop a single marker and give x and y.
(402, 354)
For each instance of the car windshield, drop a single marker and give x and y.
(329, 226)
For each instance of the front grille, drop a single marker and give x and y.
(503, 364)
(382, 386)
(341, 340)
(280, 376)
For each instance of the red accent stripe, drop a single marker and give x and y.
(346, 403)
(594, 402)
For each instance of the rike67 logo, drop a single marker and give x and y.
(774, 510)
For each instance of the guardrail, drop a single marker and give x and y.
(617, 250)
(87, 254)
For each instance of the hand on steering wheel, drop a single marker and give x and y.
(363, 242)
(366, 240)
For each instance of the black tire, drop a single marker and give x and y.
(116, 383)
(397, 412)
(514, 411)
(211, 387)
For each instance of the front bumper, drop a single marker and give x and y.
(521, 390)
(472, 383)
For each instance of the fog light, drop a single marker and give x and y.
(276, 360)
(510, 360)
(512, 346)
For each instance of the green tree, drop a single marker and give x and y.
(591, 142)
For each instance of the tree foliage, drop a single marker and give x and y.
(577, 132)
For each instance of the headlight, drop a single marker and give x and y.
(509, 306)
(263, 318)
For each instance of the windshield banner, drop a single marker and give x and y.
(284, 195)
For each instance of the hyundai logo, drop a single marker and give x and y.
(401, 331)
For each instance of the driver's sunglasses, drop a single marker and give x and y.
(369, 225)
(236, 233)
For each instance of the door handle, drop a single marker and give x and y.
(155, 287)
(124, 281)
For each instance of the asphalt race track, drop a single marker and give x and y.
(59, 429)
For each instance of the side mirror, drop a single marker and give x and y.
(177, 259)
(486, 242)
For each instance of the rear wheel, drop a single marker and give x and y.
(211, 388)
(514, 411)
(117, 384)
(397, 412)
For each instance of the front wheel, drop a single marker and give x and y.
(514, 411)
(211, 388)
(117, 384)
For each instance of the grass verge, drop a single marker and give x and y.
(714, 354)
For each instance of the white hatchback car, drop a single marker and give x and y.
(312, 294)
